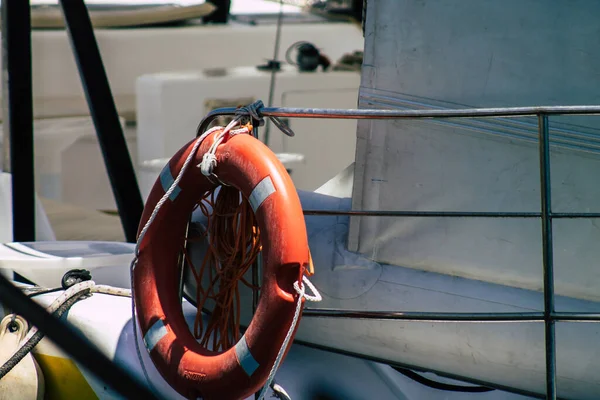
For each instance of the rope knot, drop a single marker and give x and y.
(75, 276)
(301, 290)
(209, 162)
(254, 111)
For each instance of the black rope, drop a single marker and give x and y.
(38, 336)
(69, 279)
(254, 111)
(43, 291)
(439, 385)
(75, 276)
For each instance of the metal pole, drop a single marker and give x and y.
(425, 316)
(337, 113)
(104, 113)
(5, 140)
(547, 256)
(450, 316)
(425, 214)
(5, 143)
(275, 67)
(447, 214)
(18, 115)
(256, 264)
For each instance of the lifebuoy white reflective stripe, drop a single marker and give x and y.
(157, 331)
(245, 358)
(259, 194)
(166, 180)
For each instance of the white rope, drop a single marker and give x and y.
(280, 392)
(209, 159)
(114, 291)
(59, 301)
(207, 165)
(72, 291)
(162, 201)
(301, 294)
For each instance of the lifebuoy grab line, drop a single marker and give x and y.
(190, 370)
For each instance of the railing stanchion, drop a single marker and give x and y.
(547, 255)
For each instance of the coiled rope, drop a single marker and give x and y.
(233, 236)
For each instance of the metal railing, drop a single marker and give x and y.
(549, 316)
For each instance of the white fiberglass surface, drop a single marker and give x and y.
(79, 249)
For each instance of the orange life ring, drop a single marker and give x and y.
(193, 371)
